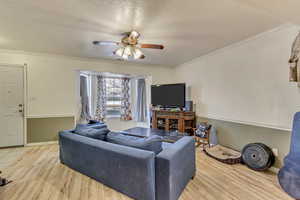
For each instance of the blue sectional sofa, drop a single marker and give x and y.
(138, 173)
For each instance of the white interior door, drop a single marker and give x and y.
(11, 106)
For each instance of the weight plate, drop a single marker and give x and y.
(257, 156)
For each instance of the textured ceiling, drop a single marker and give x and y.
(187, 29)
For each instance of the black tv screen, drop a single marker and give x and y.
(171, 95)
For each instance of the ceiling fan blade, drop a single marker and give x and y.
(152, 46)
(105, 43)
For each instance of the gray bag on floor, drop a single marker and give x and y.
(213, 136)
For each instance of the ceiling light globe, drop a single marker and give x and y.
(128, 50)
(125, 56)
(137, 54)
(135, 34)
(120, 51)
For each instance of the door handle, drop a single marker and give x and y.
(21, 109)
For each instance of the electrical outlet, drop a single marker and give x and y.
(275, 152)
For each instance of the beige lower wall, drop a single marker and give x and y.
(230, 134)
(46, 129)
(237, 135)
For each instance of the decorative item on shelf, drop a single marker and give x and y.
(258, 156)
(293, 61)
(189, 106)
(174, 109)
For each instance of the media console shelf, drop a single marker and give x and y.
(174, 120)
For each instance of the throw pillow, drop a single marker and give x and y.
(91, 132)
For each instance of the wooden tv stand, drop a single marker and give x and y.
(174, 120)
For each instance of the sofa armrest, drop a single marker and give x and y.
(175, 166)
(126, 169)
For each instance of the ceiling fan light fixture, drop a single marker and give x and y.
(134, 34)
(125, 56)
(120, 51)
(128, 50)
(137, 54)
(129, 47)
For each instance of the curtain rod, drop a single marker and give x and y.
(111, 75)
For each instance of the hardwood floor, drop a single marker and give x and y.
(38, 175)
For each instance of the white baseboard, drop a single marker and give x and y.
(274, 169)
(41, 143)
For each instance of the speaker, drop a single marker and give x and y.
(189, 106)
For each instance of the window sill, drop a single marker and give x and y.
(113, 116)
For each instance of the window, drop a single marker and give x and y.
(113, 97)
(107, 93)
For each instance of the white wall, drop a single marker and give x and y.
(247, 82)
(51, 79)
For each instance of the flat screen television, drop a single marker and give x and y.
(168, 96)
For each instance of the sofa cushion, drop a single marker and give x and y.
(97, 132)
(98, 126)
(80, 126)
(152, 143)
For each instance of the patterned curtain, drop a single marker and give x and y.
(294, 59)
(100, 113)
(85, 109)
(141, 108)
(125, 104)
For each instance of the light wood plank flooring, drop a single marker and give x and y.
(38, 175)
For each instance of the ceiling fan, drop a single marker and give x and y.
(129, 46)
